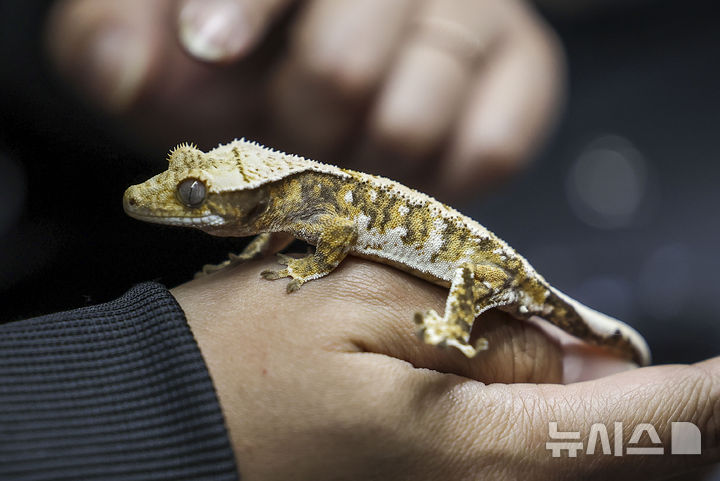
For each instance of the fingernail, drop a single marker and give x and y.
(579, 367)
(214, 30)
(116, 64)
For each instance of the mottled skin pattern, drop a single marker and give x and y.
(242, 189)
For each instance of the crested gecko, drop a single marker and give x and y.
(244, 189)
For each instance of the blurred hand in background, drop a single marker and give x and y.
(450, 96)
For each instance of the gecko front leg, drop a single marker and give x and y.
(336, 238)
(260, 246)
(473, 291)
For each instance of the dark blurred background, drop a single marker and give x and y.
(620, 210)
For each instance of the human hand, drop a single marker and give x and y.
(331, 382)
(450, 94)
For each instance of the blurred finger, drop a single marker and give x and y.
(126, 58)
(350, 43)
(225, 30)
(340, 51)
(423, 94)
(105, 47)
(510, 109)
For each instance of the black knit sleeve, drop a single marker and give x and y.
(117, 391)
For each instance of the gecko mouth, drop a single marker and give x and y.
(206, 220)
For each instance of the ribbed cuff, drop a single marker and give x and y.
(117, 391)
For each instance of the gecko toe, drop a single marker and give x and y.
(239, 258)
(463, 347)
(272, 275)
(437, 331)
(210, 268)
(294, 285)
(284, 259)
(481, 344)
(427, 323)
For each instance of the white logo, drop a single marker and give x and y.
(685, 439)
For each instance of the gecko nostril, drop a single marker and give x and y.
(132, 201)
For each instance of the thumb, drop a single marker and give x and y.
(584, 430)
(225, 30)
(636, 410)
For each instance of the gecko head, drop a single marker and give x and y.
(189, 193)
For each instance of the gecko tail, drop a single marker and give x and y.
(596, 328)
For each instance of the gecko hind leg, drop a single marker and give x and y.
(471, 293)
(261, 245)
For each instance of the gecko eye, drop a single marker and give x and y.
(191, 192)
